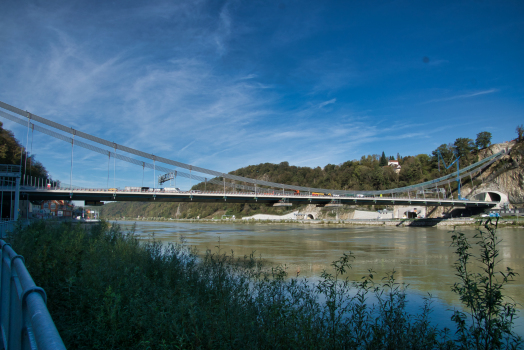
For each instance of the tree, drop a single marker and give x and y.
(463, 146)
(425, 163)
(11, 151)
(377, 178)
(411, 170)
(483, 139)
(520, 131)
(383, 160)
(445, 151)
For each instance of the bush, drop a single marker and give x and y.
(488, 322)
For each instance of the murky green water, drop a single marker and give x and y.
(422, 257)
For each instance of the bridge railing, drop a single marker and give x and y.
(25, 321)
(421, 194)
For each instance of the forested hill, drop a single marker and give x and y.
(368, 173)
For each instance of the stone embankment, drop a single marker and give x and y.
(428, 222)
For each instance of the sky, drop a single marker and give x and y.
(227, 84)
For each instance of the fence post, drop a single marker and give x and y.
(25, 322)
(15, 308)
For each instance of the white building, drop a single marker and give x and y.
(395, 165)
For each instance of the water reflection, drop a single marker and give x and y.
(421, 257)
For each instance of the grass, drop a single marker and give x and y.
(107, 291)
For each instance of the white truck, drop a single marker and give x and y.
(172, 189)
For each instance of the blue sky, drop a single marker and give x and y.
(226, 84)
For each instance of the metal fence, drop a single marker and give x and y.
(25, 322)
(508, 212)
(9, 168)
(6, 226)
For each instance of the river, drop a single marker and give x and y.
(421, 256)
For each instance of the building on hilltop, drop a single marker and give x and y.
(395, 165)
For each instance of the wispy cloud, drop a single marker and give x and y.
(224, 30)
(186, 146)
(247, 77)
(462, 96)
(323, 104)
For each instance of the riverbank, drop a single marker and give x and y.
(445, 223)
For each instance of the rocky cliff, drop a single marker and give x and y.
(502, 181)
(505, 176)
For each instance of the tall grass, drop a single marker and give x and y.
(107, 291)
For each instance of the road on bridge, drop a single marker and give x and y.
(272, 198)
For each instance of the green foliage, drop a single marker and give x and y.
(107, 290)
(184, 210)
(383, 160)
(463, 146)
(520, 132)
(446, 151)
(489, 320)
(11, 151)
(483, 139)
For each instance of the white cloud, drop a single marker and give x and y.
(249, 76)
(462, 96)
(223, 31)
(186, 146)
(323, 104)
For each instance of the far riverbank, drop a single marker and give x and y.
(444, 223)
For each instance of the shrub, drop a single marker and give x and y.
(488, 322)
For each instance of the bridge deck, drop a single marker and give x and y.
(240, 197)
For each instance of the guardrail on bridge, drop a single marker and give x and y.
(25, 322)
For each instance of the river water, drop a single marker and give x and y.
(421, 256)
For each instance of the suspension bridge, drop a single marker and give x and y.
(233, 188)
(25, 321)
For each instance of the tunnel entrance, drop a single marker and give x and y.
(493, 197)
(310, 217)
(489, 197)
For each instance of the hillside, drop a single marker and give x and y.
(505, 175)
(368, 173)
